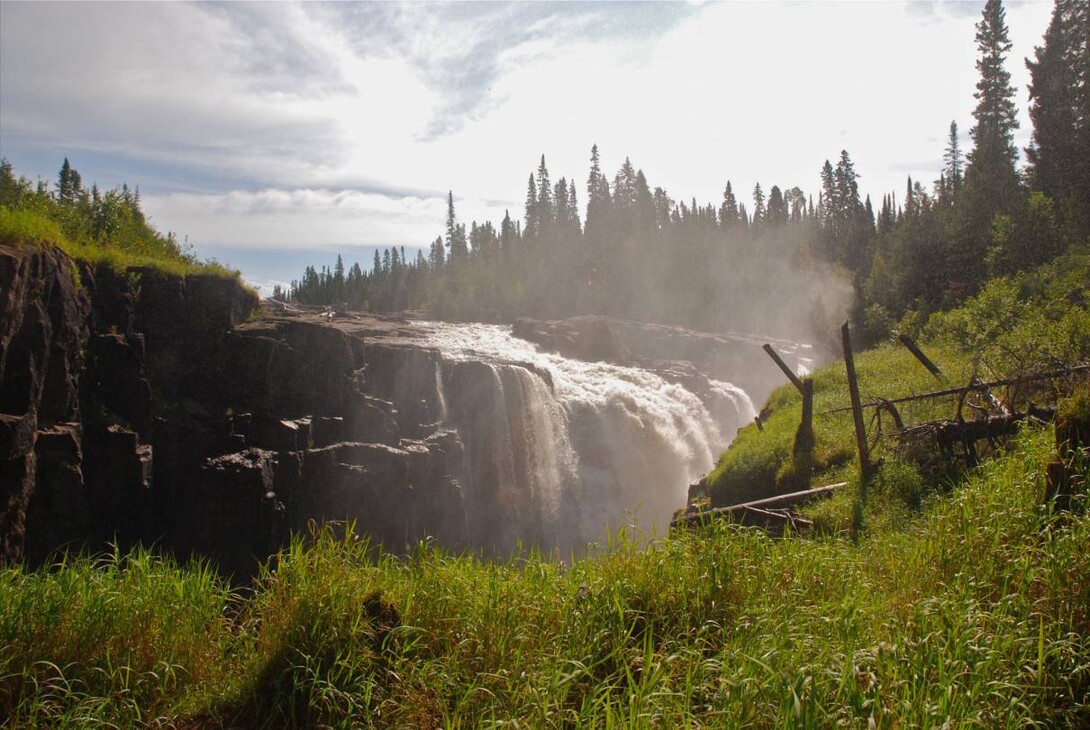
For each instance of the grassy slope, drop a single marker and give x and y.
(972, 608)
(37, 228)
(1034, 321)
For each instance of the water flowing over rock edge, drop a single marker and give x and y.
(141, 407)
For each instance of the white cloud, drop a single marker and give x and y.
(295, 125)
(301, 217)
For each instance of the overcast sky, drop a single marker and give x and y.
(268, 133)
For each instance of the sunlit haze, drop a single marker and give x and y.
(274, 135)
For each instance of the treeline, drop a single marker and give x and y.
(644, 255)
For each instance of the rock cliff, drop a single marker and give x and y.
(137, 406)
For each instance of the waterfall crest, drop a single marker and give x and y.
(561, 452)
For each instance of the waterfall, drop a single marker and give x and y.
(562, 452)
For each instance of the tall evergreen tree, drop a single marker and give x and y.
(991, 169)
(531, 208)
(573, 210)
(728, 209)
(508, 235)
(991, 186)
(598, 198)
(546, 205)
(1059, 94)
(953, 164)
(456, 234)
(758, 205)
(776, 210)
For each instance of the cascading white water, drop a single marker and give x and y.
(571, 460)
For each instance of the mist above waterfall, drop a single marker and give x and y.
(560, 452)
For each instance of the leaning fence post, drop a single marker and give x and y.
(919, 355)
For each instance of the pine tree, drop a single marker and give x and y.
(953, 164)
(546, 205)
(508, 235)
(991, 186)
(776, 211)
(69, 184)
(991, 169)
(573, 210)
(646, 216)
(598, 199)
(456, 234)
(438, 255)
(531, 208)
(758, 205)
(1059, 95)
(728, 210)
(827, 195)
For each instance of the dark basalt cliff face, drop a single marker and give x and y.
(139, 407)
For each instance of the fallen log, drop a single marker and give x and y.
(691, 519)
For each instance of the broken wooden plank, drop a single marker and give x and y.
(778, 501)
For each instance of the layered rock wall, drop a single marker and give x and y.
(139, 407)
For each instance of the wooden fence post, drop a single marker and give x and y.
(919, 355)
(866, 468)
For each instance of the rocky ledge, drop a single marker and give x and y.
(139, 407)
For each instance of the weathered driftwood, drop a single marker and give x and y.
(769, 503)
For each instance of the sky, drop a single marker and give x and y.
(270, 136)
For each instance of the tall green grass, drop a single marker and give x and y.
(973, 610)
(29, 227)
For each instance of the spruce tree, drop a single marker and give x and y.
(991, 185)
(573, 210)
(776, 211)
(456, 234)
(991, 169)
(758, 205)
(728, 210)
(1060, 74)
(598, 198)
(531, 208)
(953, 164)
(546, 206)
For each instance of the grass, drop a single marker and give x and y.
(760, 459)
(972, 610)
(28, 227)
(1031, 322)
